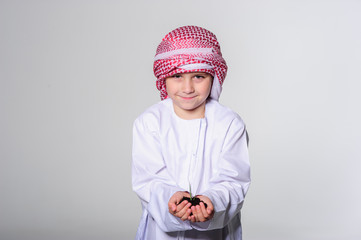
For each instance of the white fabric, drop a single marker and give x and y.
(196, 66)
(210, 153)
(216, 89)
(183, 51)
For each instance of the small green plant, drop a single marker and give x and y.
(190, 192)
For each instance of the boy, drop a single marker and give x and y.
(190, 139)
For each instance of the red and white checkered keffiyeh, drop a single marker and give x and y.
(189, 49)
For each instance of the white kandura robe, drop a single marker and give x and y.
(210, 153)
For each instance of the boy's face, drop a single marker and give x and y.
(189, 92)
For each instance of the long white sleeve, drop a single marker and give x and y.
(150, 177)
(229, 185)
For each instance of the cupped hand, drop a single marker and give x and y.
(200, 213)
(178, 208)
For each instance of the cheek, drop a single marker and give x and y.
(169, 88)
(207, 87)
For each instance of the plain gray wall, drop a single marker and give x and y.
(75, 74)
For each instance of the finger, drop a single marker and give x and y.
(172, 208)
(210, 209)
(181, 205)
(170, 204)
(195, 213)
(173, 201)
(183, 211)
(204, 211)
(192, 218)
(186, 215)
(210, 212)
(200, 216)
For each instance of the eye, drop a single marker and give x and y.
(199, 76)
(176, 76)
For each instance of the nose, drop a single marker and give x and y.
(187, 86)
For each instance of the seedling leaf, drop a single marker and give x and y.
(190, 192)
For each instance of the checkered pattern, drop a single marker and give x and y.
(188, 45)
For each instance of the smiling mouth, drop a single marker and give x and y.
(187, 98)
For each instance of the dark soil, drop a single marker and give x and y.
(195, 201)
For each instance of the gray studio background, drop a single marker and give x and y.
(75, 74)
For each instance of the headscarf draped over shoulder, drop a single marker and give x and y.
(189, 49)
